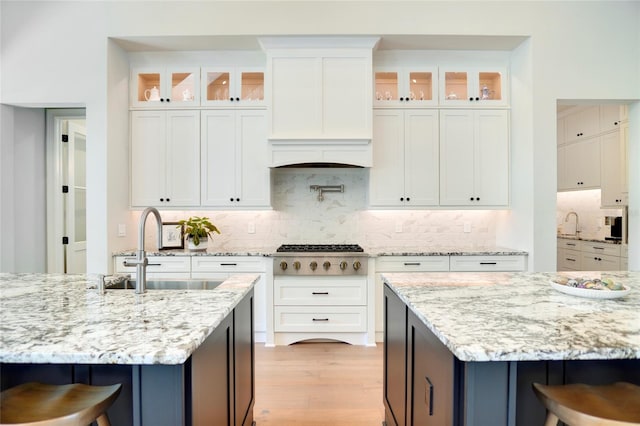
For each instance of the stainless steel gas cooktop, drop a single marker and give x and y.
(320, 260)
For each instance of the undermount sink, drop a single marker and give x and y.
(169, 285)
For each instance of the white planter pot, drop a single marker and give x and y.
(204, 243)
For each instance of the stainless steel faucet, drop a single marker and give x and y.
(566, 219)
(141, 261)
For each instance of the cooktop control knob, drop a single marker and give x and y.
(313, 265)
(326, 265)
(357, 265)
(283, 265)
(296, 265)
(343, 265)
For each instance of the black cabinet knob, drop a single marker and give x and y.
(401, 198)
(471, 199)
(161, 99)
(168, 99)
(231, 199)
(408, 199)
(231, 99)
(401, 99)
(237, 199)
(161, 199)
(470, 99)
(168, 199)
(477, 99)
(237, 99)
(477, 198)
(615, 123)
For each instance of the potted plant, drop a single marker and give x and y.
(197, 230)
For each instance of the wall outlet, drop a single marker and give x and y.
(398, 226)
(467, 227)
(122, 230)
(251, 228)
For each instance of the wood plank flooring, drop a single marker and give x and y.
(319, 384)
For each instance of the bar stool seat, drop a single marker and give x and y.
(38, 404)
(617, 404)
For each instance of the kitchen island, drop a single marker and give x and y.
(463, 349)
(183, 356)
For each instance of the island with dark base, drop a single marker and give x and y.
(465, 348)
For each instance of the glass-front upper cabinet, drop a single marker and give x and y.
(478, 86)
(405, 87)
(232, 87)
(165, 88)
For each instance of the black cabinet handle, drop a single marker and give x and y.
(477, 99)
(428, 394)
(168, 99)
(477, 198)
(488, 263)
(320, 292)
(161, 199)
(570, 260)
(168, 199)
(401, 198)
(599, 248)
(411, 263)
(321, 319)
(237, 199)
(408, 199)
(471, 199)
(401, 99)
(237, 99)
(161, 99)
(470, 99)
(228, 264)
(231, 99)
(231, 199)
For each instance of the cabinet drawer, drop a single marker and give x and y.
(569, 244)
(320, 319)
(156, 264)
(569, 260)
(601, 248)
(412, 263)
(320, 291)
(487, 263)
(228, 264)
(599, 262)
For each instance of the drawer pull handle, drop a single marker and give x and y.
(411, 263)
(154, 264)
(320, 292)
(488, 263)
(571, 244)
(321, 319)
(570, 260)
(229, 264)
(428, 394)
(599, 248)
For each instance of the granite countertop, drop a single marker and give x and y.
(594, 240)
(57, 318)
(422, 250)
(520, 317)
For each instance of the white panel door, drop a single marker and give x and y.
(219, 158)
(148, 154)
(386, 177)
(253, 169)
(421, 157)
(183, 158)
(491, 168)
(456, 157)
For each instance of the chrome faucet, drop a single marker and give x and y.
(566, 219)
(141, 261)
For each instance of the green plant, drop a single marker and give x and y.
(198, 227)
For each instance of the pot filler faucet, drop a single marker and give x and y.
(141, 261)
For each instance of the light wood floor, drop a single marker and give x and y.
(319, 384)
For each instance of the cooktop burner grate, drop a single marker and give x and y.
(320, 248)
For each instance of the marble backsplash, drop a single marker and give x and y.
(299, 217)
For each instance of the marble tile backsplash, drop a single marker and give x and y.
(591, 217)
(298, 216)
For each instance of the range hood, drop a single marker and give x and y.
(319, 92)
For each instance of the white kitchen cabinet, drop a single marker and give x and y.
(584, 255)
(159, 267)
(165, 158)
(319, 93)
(405, 158)
(599, 262)
(582, 124)
(613, 168)
(568, 260)
(409, 87)
(473, 86)
(474, 157)
(162, 87)
(235, 171)
(232, 87)
(610, 117)
(487, 263)
(581, 165)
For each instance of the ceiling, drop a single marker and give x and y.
(387, 42)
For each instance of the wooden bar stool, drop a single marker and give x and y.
(584, 405)
(37, 404)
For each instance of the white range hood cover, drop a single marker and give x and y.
(319, 152)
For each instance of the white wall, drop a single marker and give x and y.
(577, 50)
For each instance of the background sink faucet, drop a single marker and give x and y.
(566, 219)
(141, 261)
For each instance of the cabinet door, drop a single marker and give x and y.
(219, 158)
(491, 168)
(609, 117)
(182, 87)
(599, 262)
(395, 358)
(612, 170)
(421, 158)
(253, 173)
(406, 87)
(148, 158)
(386, 178)
(473, 86)
(296, 105)
(456, 157)
(244, 362)
(582, 124)
(583, 164)
(183, 158)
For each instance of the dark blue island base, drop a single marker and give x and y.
(214, 387)
(425, 384)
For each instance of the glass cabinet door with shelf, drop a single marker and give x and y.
(405, 87)
(473, 87)
(172, 88)
(229, 87)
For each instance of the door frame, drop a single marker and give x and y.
(54, 176)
